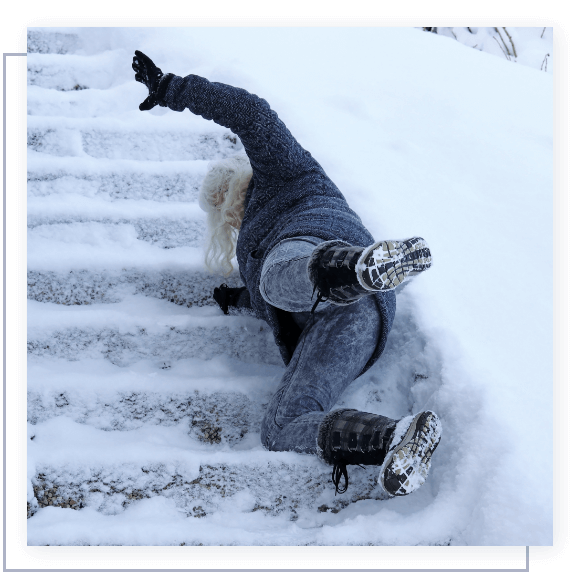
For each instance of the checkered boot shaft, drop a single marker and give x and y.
(343, 274)
(332, 270)
(349, 436)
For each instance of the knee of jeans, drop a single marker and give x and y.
(370, 314)
(264, 282)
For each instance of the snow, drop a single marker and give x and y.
(131, 365)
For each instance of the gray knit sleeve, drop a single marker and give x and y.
(273, 151)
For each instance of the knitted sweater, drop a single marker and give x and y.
(289, 194)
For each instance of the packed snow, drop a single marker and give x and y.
(145, 402)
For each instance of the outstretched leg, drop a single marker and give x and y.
(284, 281)
(332, 350)
(335, 345)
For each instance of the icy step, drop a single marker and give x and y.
(48, 41)
(161, 232)
(124, 348)
(78, 262)
(141, 328)
(222, 399)
(72, 72)
(132, 139)
(62, 247)
(85, 286)
(165, 225)
(68, 207)
(75, 466)
(81, 100)
(117, 180)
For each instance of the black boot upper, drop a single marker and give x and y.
(348, 436)
(332, 271)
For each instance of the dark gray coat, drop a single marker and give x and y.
(289, 194)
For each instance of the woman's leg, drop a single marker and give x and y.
(284, 281)
(334, 346)
(332, 351)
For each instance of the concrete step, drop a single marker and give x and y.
(162, 232)
(220, 405)
(74, 99)
(73, 72)
(123, 334)
(95, 245)
(49, 175)
(48, 41)
(83, 242)
(68, 206)
(118, 139)
(93, 286)
(76, 468)
(124, 348)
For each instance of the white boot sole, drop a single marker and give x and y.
(406, 466)
(386, 264)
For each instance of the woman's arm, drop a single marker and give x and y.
(271, 148)
(273, 151)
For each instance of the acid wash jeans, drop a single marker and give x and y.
(335, 344)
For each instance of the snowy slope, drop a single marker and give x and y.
(145, 402)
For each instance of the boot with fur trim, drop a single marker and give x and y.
(343, 274)
(402, 448)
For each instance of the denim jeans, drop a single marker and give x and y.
(334, 346)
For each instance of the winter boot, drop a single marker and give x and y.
(402, 448)
(343, 274)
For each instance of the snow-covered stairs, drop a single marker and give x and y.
(138, 387)
(103, 179)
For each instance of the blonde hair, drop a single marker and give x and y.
(222, 197)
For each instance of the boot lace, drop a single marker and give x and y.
(340, 471)
(320, 298)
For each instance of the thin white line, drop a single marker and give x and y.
(4, 298)
(4, 341)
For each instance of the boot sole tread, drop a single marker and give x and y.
(406, 466)
(386, 264)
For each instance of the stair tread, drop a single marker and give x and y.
(54, 95)
(139, 328)
(44, 165)
(154, 315)
(49, 40)
(99, 246)
(79, 207)
(113, 179)
(76, 72)
(134, 122)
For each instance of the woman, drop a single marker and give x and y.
(313, 272)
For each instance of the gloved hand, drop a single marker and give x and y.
(150, 75)
(227, 296)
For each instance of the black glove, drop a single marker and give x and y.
(227, 296)
(150, 75)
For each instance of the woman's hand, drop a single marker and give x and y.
(149, 75)
(228, 296)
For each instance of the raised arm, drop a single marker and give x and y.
(273, 151)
